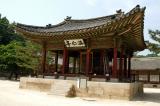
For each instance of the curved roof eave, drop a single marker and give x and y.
(68, 24)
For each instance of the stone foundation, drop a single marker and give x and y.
(39, 84)
(108, 90)
(151, 85)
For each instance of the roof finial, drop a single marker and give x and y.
(49, 25)
(68, 18)
(119, 11)
(138, 6)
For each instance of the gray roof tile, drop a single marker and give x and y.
(145, 63)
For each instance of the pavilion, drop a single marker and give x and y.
(98, 47)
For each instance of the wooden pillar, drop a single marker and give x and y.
(121, 75)
(88, 62)
(65, 61)
(44, 58)
(114, 70)
(148, 77)
(159, 77)
(138, 73)
(67, 64)
(125, 66)
(129, 67)
(56, 61)
(102, 61)
(80, 63)
(74, 64)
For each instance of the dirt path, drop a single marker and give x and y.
(11, 95)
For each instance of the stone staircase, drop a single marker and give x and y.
(60, 88)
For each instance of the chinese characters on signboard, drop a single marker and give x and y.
(74, 43)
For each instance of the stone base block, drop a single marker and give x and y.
(108, 90)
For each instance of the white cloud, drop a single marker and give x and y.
(91, 2)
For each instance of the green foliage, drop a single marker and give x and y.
(16, 54)
(17, 57)
(7, 33)
(154, 47)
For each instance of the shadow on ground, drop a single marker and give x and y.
(150, 97)
(4, 78)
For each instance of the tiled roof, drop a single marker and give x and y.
(70, 25)
(67, 25)
(145, 63)
(126, 26)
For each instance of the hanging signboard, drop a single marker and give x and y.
(74, 43)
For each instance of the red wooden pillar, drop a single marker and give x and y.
(159, 77)
(129, 67)
(74, 64)
(43, 58)
(125, 66)
(102, 61)
(56, 61)
(148, 77)
(80, 62)
(114, 69)
(88, 61)
(65, 61)
(121, 64)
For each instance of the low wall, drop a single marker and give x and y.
(36, 84)
(111, 90)
(108, 90)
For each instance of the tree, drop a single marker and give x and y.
(17, 55)
(16, 58)
(154, 47)
(7, 33)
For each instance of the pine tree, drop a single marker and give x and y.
(154, 47)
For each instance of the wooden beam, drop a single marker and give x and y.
(138, 17)
(65, 60)
(159, 77)
(44, 58)
(114, 69)
(125, 66)
(126, 31)
(88, 60)
(121, 75)
(56, 61)
(74, 64)
(129, 67)
(101, 60)
(80, 62)
(131, 18)
(148, 77)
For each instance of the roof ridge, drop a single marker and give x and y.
(96, 18)
(33, 26)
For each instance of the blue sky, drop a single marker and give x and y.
(43, 12)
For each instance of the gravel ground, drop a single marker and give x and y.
(11, 95)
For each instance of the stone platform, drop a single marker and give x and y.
(84, 88)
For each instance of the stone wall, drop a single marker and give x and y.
(111, 90)
(36, 84)
(108, 90)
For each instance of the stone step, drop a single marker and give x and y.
(60, 89)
